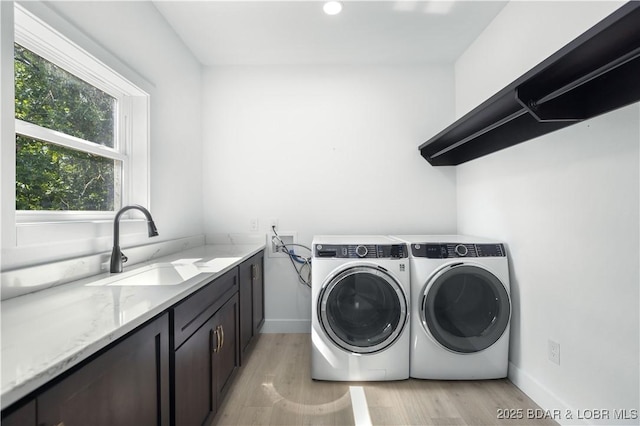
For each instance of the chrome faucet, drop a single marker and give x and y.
(117, 258)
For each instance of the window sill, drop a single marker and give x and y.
(51, 217)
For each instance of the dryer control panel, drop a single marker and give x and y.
(361, 251)
(453, 250)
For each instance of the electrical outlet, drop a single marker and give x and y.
(554, 352)
(253, 225)
(273, 223)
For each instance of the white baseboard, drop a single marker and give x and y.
(286, 326)
(542, 396)
(561, 412)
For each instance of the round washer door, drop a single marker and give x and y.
(363, 309)
(465, 308)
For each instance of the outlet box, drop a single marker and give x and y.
(254, 225)
(554, 352)
(274, 246)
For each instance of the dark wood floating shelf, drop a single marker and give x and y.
(596, 73)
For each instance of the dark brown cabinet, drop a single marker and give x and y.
(194, 396)
(257, 280)
(128, 384)
(251, 299)
(227, 355)
(206, 360)
(22, 416)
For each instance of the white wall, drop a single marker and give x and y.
(325, 150)
(567, 206)
(134, 39)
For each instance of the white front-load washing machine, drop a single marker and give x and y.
(461, 308)
(360, 308)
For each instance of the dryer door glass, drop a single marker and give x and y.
(363, 309)
(465, 308)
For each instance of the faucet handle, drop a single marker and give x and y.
(123, 257)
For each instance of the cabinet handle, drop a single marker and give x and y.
(253, 272)
(222, 332)
(217, 345)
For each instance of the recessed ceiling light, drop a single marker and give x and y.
(332, 7)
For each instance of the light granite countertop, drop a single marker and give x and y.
(47, 332)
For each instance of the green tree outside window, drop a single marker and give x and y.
(54, 177)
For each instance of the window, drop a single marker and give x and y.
(67, 155)
(81, 130)
(74, 149)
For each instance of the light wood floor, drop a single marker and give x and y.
(275, 388)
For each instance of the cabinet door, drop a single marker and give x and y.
(204, 366)
(195, 387)
(227, 355)
(246, 304)
(251, 300)
(258, 292)
(23, 416)
(128, 384)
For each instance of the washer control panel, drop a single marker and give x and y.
(454, 250)
(361, 251)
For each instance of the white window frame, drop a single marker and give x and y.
(33, 237)
(38, 37)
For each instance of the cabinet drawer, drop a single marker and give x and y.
(191, 313)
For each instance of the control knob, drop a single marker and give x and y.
(361, 251)
(461, 250)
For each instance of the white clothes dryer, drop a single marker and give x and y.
(461, 307)
(360, 308)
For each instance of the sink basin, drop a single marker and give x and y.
(164, 274)
(217, 264)
(159, 274)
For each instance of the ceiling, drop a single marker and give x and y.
(298, 32)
